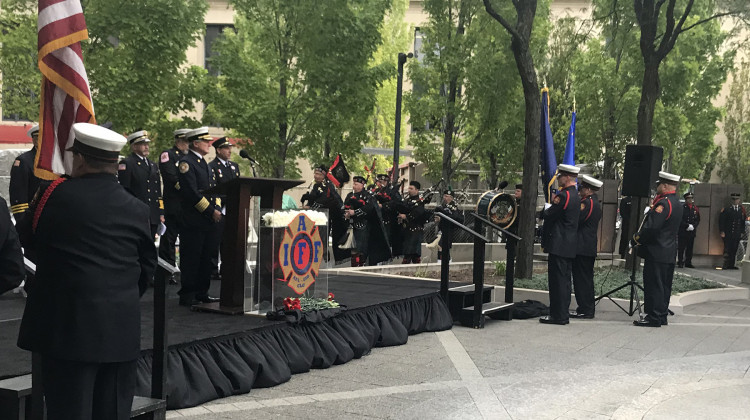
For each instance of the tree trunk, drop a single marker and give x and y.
(448, 130)
(327, 151)
(608, 171)
(283, 127)
(527, 220)
(493, 171)
(649, 95)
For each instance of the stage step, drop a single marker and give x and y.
(460, 297)
(494, 310)
(15, 402)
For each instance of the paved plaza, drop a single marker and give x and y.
(694, 368)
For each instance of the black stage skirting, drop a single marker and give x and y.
(215, 356)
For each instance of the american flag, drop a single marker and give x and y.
(65, 94)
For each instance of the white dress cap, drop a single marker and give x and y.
(568, 168)
(33, 130)
(139, 137)
(97, 141)
(667, 177)
(592, 182)
(198, 134)
(180, 132)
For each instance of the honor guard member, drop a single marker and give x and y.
(140, 176)
(95, 255)
(412, 219)
(691, 217)
(199, 237)
(559, 240)
(224, 171)
(586, 247)
(657, 245)
(11, 257)
(168, 162)
(389, 199)
(357, 210)
(23, 182)
(731, 227)
(324, 196)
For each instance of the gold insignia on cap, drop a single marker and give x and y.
(184, 167)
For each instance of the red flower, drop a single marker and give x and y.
(330, 296)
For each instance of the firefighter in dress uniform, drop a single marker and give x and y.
(23, 182)
(559, 240)
(224, 170)
(201, 213)
(412, 216)
(731, 227)
(323, 195)
(140, 176)
(691, 217)
(657, 245)
(586, 248)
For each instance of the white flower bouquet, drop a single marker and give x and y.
(282, 218)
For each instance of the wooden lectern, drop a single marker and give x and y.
(236, 197)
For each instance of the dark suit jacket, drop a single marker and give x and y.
(11, 257)
(23, 184)
(94, 255)
(658, 234)
(168, 162)
(195, 178)
(144, 182)
(588, 226)
(561, 224)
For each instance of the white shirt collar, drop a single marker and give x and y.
(196, 153)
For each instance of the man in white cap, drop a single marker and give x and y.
(168, 161)
(23, 182)
(140, 176)
(559, 240)
(657, 245)
(95, 255)
(199, 236)
(586, 247)
(224, 170)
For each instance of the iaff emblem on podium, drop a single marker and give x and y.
(300, 253)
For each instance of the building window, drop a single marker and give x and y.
(213, 32)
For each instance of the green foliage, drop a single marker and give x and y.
(297, 79)
(499, 268)
(18, 59)
(734, 166)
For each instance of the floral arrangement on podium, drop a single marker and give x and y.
(283, 218)
(306, 309)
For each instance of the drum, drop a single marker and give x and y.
(498, 207)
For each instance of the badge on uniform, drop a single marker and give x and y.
(122, 167)
(583, 206)
(659, 208)
(556, 200)
(184, 167)
(17, 163)
(164, 157)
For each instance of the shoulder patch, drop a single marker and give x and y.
(184, 167)
(556, 200)
(164, 157)
(583, 206)
(659, 208)
(122, 166)
(17, 163)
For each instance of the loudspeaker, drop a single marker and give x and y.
(642, 166)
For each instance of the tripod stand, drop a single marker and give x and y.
(635, 300)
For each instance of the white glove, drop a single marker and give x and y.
(747, 222)
(647, 209)
(547, 205)
(690, 228)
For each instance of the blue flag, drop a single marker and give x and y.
(570, 146)
(548, 161)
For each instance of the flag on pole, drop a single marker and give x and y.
(570, 146)
(65, 94)
(548, 160)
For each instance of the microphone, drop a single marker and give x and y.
(244, 154)
(500, 186)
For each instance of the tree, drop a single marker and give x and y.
(520, 32)
(659, 34)
(293, 88)
(734, 165)
(18, 59)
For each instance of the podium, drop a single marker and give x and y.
(237, 194)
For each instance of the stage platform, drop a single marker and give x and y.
(214, 356)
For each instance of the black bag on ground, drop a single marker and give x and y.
(529, 309)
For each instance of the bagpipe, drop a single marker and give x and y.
(430, 193)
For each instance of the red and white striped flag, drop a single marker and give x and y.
(65, 94)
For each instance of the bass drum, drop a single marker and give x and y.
(499, 208)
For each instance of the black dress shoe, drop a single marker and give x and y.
(688, 265)
(574, 314)
(734, 267)
(664, 322)
(206, 299)
(680, 265)
(188, 301)
(646, 323)
(550, 320)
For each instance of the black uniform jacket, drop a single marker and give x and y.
(142, 179)
(224, 173)
(690, 216)
(11, 257)
(588, 226)
(732, 222)
(94, 254)
(23, 184)
(658, 235)
(561, 223)
(168, 162)
(195, 178)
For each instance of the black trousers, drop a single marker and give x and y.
(657, 286)
(197, 246)
(730, 250)
(215, 256)
(583, 284)
(88, 391)
(558, 276)
(624, 240)
(685, 248)
(168, 240)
